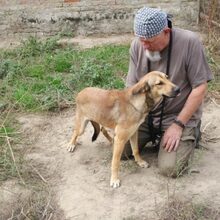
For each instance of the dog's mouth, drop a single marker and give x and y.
(175, 92)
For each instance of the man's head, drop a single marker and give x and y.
(151, 26)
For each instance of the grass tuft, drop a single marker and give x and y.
(179, 209)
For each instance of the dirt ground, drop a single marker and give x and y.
(80, 180)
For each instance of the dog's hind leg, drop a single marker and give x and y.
(97, 129)
(105, 133)
(135, 151)
(80, 125)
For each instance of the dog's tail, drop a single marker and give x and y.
(96, 127)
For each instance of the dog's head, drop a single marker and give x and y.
(156, 85)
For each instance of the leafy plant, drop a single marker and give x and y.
(41, 76)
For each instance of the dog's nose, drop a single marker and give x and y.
(177, 90)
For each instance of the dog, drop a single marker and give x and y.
(123, 111)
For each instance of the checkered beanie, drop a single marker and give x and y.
(149, 22)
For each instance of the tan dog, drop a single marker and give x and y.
(123, 111)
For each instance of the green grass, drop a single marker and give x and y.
(8, 165)
(39, 75)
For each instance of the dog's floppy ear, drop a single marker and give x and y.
(140, 87)
(153, 81)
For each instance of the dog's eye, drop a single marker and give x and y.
(160, 83)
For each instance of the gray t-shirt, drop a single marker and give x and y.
(188, 69)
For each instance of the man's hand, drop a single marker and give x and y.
(172, 137)
(173, 134)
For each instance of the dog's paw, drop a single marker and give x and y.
(115, 183)
(71, 148)
(143, 164)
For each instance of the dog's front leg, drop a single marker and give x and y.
(118, 148)
(135, 151)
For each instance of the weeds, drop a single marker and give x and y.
(41, 76)
(9, 166)
(37, 203)
(212, 40)
(180, 209)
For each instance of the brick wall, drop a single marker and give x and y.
(84, 17)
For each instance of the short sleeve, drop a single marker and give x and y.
(197, 67)
(132, 70)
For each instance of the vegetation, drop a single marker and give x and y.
(41, 76)
(7, 161)
(180, 209)
(209, 25)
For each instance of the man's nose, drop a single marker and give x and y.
(146, 45)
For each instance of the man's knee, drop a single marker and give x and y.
(173, 171)
(166, 166)
(170, 166)
(176, 163)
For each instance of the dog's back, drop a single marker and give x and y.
(100, 105)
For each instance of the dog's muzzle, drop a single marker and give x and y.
(175, 92)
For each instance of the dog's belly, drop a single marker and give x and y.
(104, 120)
(105, 115)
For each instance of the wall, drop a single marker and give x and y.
(84, 17)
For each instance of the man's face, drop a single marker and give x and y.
(155, 45)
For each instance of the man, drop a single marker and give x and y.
(178, 53)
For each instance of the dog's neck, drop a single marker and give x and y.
(142, 103)
(137, 109)
(150, 102)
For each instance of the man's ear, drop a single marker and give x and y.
(140, 87)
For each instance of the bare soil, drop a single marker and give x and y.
(80, 180)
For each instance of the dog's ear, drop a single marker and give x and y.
(140, 87)
(153, 81)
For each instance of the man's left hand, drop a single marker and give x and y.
(172, 137)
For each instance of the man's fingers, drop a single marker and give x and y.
(176, 144)
(168, 144)
(164, 142)
(172, 144)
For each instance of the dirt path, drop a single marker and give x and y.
(82, 42)
(81, 179)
